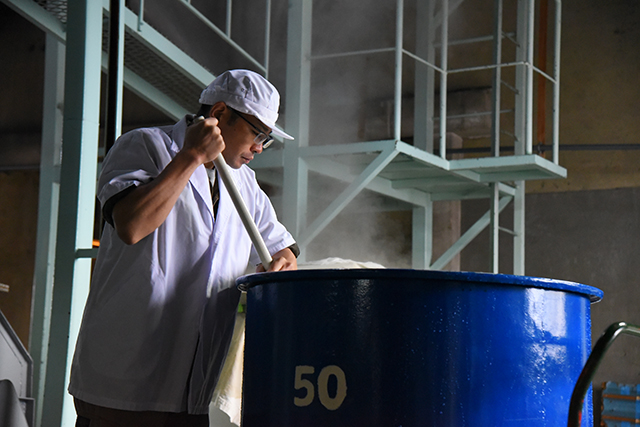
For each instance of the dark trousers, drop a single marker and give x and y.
(98, 416)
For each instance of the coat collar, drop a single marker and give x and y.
(176, 135)
(200, 179)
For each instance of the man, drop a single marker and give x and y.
(161, 308)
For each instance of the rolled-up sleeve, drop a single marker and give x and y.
(133, 160)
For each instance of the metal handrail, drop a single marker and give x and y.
(226, 34)
(589, 370)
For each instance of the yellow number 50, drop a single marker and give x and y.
(331, 403)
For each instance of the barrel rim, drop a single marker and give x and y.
(246, 282)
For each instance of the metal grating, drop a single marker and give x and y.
(57, 8)
(157, 72)
(143, 61)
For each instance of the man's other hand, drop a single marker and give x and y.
(282, 260)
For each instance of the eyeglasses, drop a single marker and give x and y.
(261, 137)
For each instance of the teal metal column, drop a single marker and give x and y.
(77, 202)
(422, 240)
(518, 229)
(497, 79)
(49, 191)
(444, 55)
(494, 227)
(521, 94)
(495, 134)
(423, 127)
(531, 16)
(298, 92)
(523, 122)
(397, 98)
(556, 85)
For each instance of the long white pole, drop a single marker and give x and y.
(238, 202)
(241, 207)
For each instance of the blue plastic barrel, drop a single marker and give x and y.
(413, 348)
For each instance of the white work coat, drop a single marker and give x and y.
(160, 313)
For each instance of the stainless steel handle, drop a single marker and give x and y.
(589, 370)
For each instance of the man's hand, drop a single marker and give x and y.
(145, 208)
(282, 260)
(204, 140)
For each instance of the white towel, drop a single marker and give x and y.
(228, 393)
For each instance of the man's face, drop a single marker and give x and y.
(239, 137)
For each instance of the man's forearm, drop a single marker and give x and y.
(144, 209)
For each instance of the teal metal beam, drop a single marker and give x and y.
(48, 197)
(152, 95)
(509, 168)
(468, 236)
(517, 175)
(298, 95)
(166, 50)
(77, 202)
(347, 195)
(150, 37)
(414, 197)
(38, 16)
(423, 183)
(479, 193)
(379, 185)
(226, 36)
(407, 166)
(350, 148)
(353, 53)
(422, 156)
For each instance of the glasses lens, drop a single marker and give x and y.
(263, 139)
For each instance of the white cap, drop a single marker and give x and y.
(249, 93)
